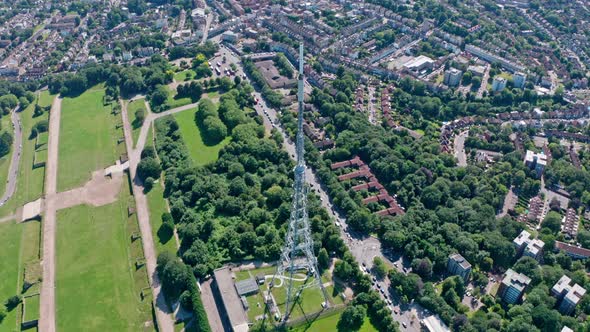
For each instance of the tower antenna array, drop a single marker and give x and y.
(297, 256)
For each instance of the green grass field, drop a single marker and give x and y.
(10, 237)
(174, 102)
(157, 206)
(181, 76)
(32, 307)
(135, 124)
(329, 323)
(200, 153)
(95, 284)
(88, 138)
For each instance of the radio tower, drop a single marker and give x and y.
(297, 255)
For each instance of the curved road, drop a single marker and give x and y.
(15, 161)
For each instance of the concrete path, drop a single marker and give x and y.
(459, 147)
(8, 218)
(163, 313)
(17, 148)
(47, 315)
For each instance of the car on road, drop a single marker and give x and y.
(404, 325)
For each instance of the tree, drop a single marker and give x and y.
(13, 301)
(5, 143)
(174, 275)
(159, 96)
(379, 267)
(352, 318)
(323, 259)
(2, 313)
(149, 167)
(140, 116)
(552, 222)
(422, 267)
(215, 130)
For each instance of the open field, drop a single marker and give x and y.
(88, 138)
(95, 281)
(329, 323)
(201, 154)
(174, 102)
(135, 124)
(10, 237)
(157, 206)
(31, 308)
(181, 76)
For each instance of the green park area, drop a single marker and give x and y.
(174, 101)
(10, 237)
(157, 205)
(100, 277)
(132, 113)
(184, 75)
(329, 323)
(200, 152)
(88, 138)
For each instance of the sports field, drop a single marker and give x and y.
(135, 124)
(95, 287)
(10, 237)
(201, 153)
(87, 138)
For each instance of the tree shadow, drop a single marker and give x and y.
(164, 234)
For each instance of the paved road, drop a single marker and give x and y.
(47, 315)
(17, 148)
(163, 313)
(459, 147)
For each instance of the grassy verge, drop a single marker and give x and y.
(88, 138)
(102, 291)
(6, 126)
(174, 102)
(201, 154)
(157, 206)
(133, 107)
(182, 76)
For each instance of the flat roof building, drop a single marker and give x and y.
(433, 323)
(458, 265)
(233, 311)
(567, 296)
(418, 63)
(498, 84)
(513, 286)
(525, 245)
(536, 161)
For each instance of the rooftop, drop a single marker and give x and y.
(461, 261)
(231, 300)
(516, 280)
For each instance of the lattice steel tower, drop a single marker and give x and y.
(298, 256)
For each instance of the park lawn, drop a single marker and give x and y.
(88, 138)
(135, 124)
(329, 323)
(10, 237)
(32, 307)
(173, 102)
(201, 153)
(181, 76)
(94, 281)
(157, 206)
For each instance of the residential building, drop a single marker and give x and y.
(536, 161)
(419, 63)
(458, 265)
(127, 56)
(513, 286)
(519, 79)
(229, 36)
(452, 77)
(572, 251)
(570, 223)
(498, 84)
(567, 295)
(525, 245)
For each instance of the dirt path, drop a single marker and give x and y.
(163, 313)
(47, 315)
